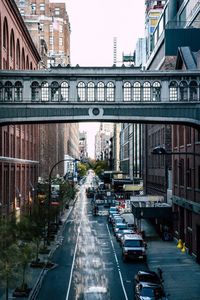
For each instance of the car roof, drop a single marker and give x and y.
(147, 273)
(96, 289)
(132, 236)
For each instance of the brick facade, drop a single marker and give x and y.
(19, 154)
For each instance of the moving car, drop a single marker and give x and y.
(133, 247)
(96, 293)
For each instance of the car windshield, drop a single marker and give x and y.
(149, 278)
(147, 292)
(121, 227)
(133, 243)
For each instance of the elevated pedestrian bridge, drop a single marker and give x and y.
(108, 94)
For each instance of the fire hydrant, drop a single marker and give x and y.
(180, 244)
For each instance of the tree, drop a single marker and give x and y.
(9, 252)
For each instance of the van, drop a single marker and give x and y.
(133, 247)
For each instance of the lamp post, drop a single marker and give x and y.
(49, 192)
(162, 151)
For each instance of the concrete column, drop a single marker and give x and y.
(118, 91)
(73, 93)
(27, 90)
(165, 91)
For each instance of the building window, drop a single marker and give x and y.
(188, 134)
(183, 91)
(90, 91)
(110, 91)
(61, 28)
(18, 91)
(198, 178)
(1, 91)
(136, 91)
(45, 91)
(193, 91)
(173, 91)
(100, 91)
(35, 91)
(51, 40)
(64, 91)
(127, 92)
(60, 41)
(146, 91)
(42, 6)
(181, 172)
(57, 11)
(188, 174)
(50, 28)
(54, 91)
(156, 91)
(33, 7)
(81, 91)
(8, 91)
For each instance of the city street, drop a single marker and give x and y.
(89, 256)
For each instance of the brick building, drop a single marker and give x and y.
(19, 154)
(49, 27)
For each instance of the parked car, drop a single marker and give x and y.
(150, 291)
(133, 247)
(122, 232)
(148, 276)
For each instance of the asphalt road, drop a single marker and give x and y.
(88, 256)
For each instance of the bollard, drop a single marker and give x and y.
(180, 244)
(183, 248)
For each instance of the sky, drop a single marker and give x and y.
(94, 24)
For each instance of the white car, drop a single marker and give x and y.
(96, 293)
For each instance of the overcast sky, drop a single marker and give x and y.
(94, 24)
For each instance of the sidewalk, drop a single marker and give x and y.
(181, 273)
(36, 275)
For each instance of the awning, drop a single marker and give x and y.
(132, 187)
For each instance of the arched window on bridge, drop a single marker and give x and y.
(8, 91)
(173, 91)
(1, 91)
(64, 91)
(136, 91)
(35, 91)
(54, 91)
(127, 91)
(45, 91)
(18, 91)
(193, 91)
(110, 92)
(81, 91)
(183, 87)
(156, 91)
(100, 91)
(146, 91)
(90, 91)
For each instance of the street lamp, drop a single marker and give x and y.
(162, 151)
(49, 191)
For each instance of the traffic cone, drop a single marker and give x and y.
(183, 248)
(180, 244)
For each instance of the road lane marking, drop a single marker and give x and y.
(117, 262)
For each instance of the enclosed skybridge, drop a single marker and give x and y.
(108, 94)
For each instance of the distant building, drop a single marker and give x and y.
(102, 141)
(83, 148)
(140, 53)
